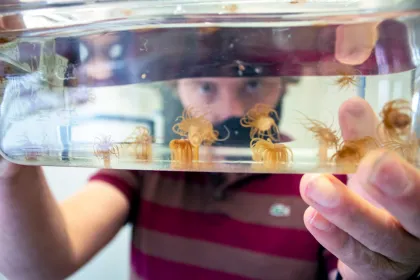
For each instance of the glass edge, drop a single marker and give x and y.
(59, 19)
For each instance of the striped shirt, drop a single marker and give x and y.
(218, 226)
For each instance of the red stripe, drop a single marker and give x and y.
(280, 184)
(174, 175)
(152, 268)
(136, 173)
(221, 229)
(118, 183)
(342, 178)
(331, 261)
(276, 184)
(186, 177)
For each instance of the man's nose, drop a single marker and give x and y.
(230, 106)
(99, 68)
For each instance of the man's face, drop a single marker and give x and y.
(96, 53)
(225, 98)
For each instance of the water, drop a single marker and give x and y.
(107, 95)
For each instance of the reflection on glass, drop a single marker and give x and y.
(261, 99)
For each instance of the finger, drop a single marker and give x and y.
(355, 42)
(12, 23)
(395, 184)
(375, 228)
(346, 248)
(357, 119)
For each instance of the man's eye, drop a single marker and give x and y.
(252, 85)
(115, 51)
(207, 88)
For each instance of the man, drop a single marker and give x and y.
(186, 230)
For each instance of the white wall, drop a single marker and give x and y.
(113, 261)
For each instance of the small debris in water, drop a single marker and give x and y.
(179, 9)
(233, 8)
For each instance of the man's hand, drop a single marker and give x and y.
(373, 224)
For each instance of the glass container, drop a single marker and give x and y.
(219, 86)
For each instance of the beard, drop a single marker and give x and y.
(236, 134)
(239, 136)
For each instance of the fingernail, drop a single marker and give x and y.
(319, 222)
(389, 176)
(356, 109)
(358, 51)
(354, 56)
(322, 191)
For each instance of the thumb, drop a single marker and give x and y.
(358, 120)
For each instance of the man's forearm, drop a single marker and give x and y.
(33, 239)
